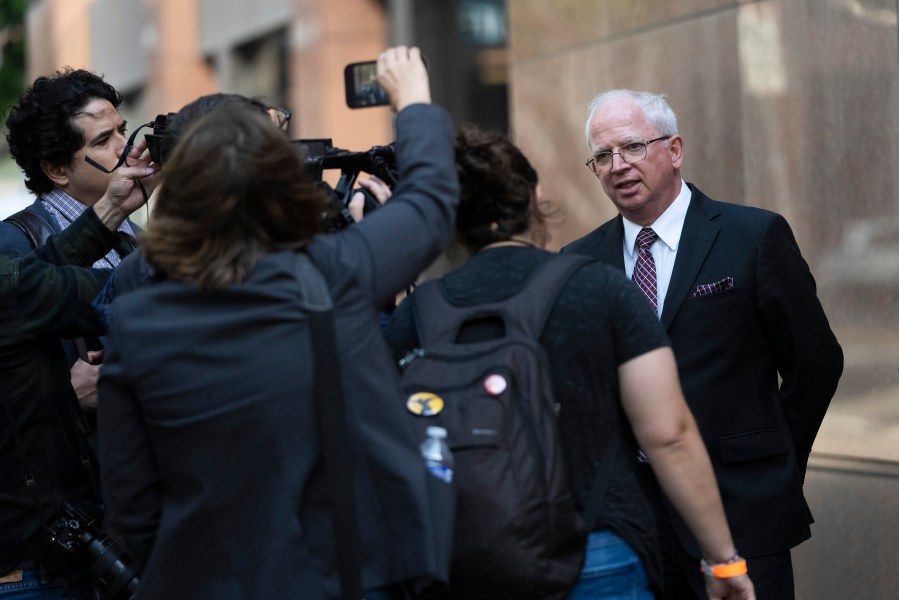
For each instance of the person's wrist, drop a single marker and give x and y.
(732, 567)
(109, 213)
(411, 99)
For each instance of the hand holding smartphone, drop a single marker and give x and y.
(361, 85)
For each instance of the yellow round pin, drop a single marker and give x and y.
(425, 404)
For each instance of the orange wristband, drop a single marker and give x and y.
(732, 568)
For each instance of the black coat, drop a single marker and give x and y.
(731, 349)
(209, 445)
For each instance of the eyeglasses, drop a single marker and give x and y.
(280, 116)
(632, 152)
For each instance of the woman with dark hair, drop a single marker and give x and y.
(234, 195)
(614, 376)
(134, 271)
(210, 446)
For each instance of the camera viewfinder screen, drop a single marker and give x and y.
(368, 92)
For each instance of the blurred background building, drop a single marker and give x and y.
(791, 105)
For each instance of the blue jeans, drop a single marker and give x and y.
(36, 585)
(612, 570)
(391, 592)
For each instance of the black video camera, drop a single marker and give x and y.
(75, 530)
(320, 154)
(155, 139)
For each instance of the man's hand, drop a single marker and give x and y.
(123, 194)
(731, 588)
(84, 380)
(403, 76)
(377, 188)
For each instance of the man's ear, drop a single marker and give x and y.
(58, 174)
(676, 150)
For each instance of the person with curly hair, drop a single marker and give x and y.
(67, 135)
(614, 376)
(58, 124)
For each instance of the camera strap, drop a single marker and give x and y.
(334, 430)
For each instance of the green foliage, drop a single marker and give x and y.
(12, 51)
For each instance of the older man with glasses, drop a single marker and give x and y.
(757, 359)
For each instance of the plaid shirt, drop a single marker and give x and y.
(66, 209)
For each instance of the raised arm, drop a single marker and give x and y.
(53, 300)
(392, 245)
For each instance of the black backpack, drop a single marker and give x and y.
(518, 534)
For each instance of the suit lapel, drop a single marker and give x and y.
(608, 245)
(696, 240)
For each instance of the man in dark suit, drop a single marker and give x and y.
(758, 361)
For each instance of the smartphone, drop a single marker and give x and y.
(362, 88)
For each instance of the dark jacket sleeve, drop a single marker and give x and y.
(132, 273)
(392, 245)
(54, 300)
(131, 480)
(808, 356)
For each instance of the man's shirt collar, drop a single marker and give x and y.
(668, 226)
(66, 209)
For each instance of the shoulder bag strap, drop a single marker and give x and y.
(37, 229)
(558, 271)
(334, 432)
(34, 226)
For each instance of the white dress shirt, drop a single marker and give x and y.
(668, 227)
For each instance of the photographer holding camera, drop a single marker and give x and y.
(45, 458)
(66, 133)
(211, 448)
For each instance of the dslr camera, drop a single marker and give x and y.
(320, 154)
(362, 91)
(75, 531)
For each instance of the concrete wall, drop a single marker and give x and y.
(790, 105)
(855, 508)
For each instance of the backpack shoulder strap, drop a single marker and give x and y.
(314, 294)
(433, 315)
(334, 430)
(34, 226)
(529, 309)
(436, 319)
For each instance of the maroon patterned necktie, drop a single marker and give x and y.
(645, 269)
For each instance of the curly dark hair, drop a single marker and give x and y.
(42, 127)
(235, 189)
(497, 185)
